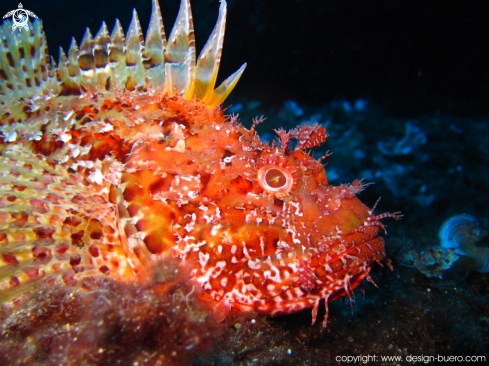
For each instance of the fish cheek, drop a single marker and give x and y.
(262, 241)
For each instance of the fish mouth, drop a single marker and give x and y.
(329, 274)
(353, 253)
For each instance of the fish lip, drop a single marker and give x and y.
(347, 277)
(294, 305)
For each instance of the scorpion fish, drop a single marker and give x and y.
(120, 155)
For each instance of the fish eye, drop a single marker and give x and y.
(276, 180)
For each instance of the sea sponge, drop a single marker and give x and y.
(159, 320)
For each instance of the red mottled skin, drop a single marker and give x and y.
(104, 173)
(181, 179)
(250, 248)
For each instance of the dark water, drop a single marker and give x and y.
(403, 89)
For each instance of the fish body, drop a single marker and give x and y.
(121, 156)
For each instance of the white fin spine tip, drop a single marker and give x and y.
(67, 86)
(52, 65)
(51, 86)
(180, 54)
(62, 70)
(210, 58)
(86, 61)
(226, 87)
(117, 49)
(7, 75)
(134, 51)
(154, 55)
(101, 57)
(9, 61)
(134, 37)
(24, 40)
(73, 68)
(100, 49)
(155, 39)
(41, 57)
(182, 35)
(117, 44)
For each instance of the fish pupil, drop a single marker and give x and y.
(275, 178)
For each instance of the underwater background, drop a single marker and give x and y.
(403, 89)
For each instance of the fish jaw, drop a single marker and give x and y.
(331, 257)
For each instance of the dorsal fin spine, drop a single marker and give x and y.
(180, 55)
(155, 39)
(133, 54)
(73, 68)
(210, 58)
(86, 61)
(106, 62)
(101, 57)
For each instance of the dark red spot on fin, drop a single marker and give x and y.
(9, 258)
(14, 281)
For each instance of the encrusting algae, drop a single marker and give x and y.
(121, 156)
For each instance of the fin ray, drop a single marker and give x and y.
(133, 54)
(226, 87)
(52, 221)
(210, 58)
(180, 54)
(119, 61)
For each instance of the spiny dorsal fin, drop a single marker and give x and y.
(180, 54)
(119, 62)
(62, 73)
(40, 60)
(73, 68)
(86, 61)
(221, 93)
(117, 59)
(153, 58)
(116, 46)
(155, 39)
(210, 58)
(101, 57)
(134, 51)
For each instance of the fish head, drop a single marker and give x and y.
(259, 224)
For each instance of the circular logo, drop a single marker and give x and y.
(20, 18)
